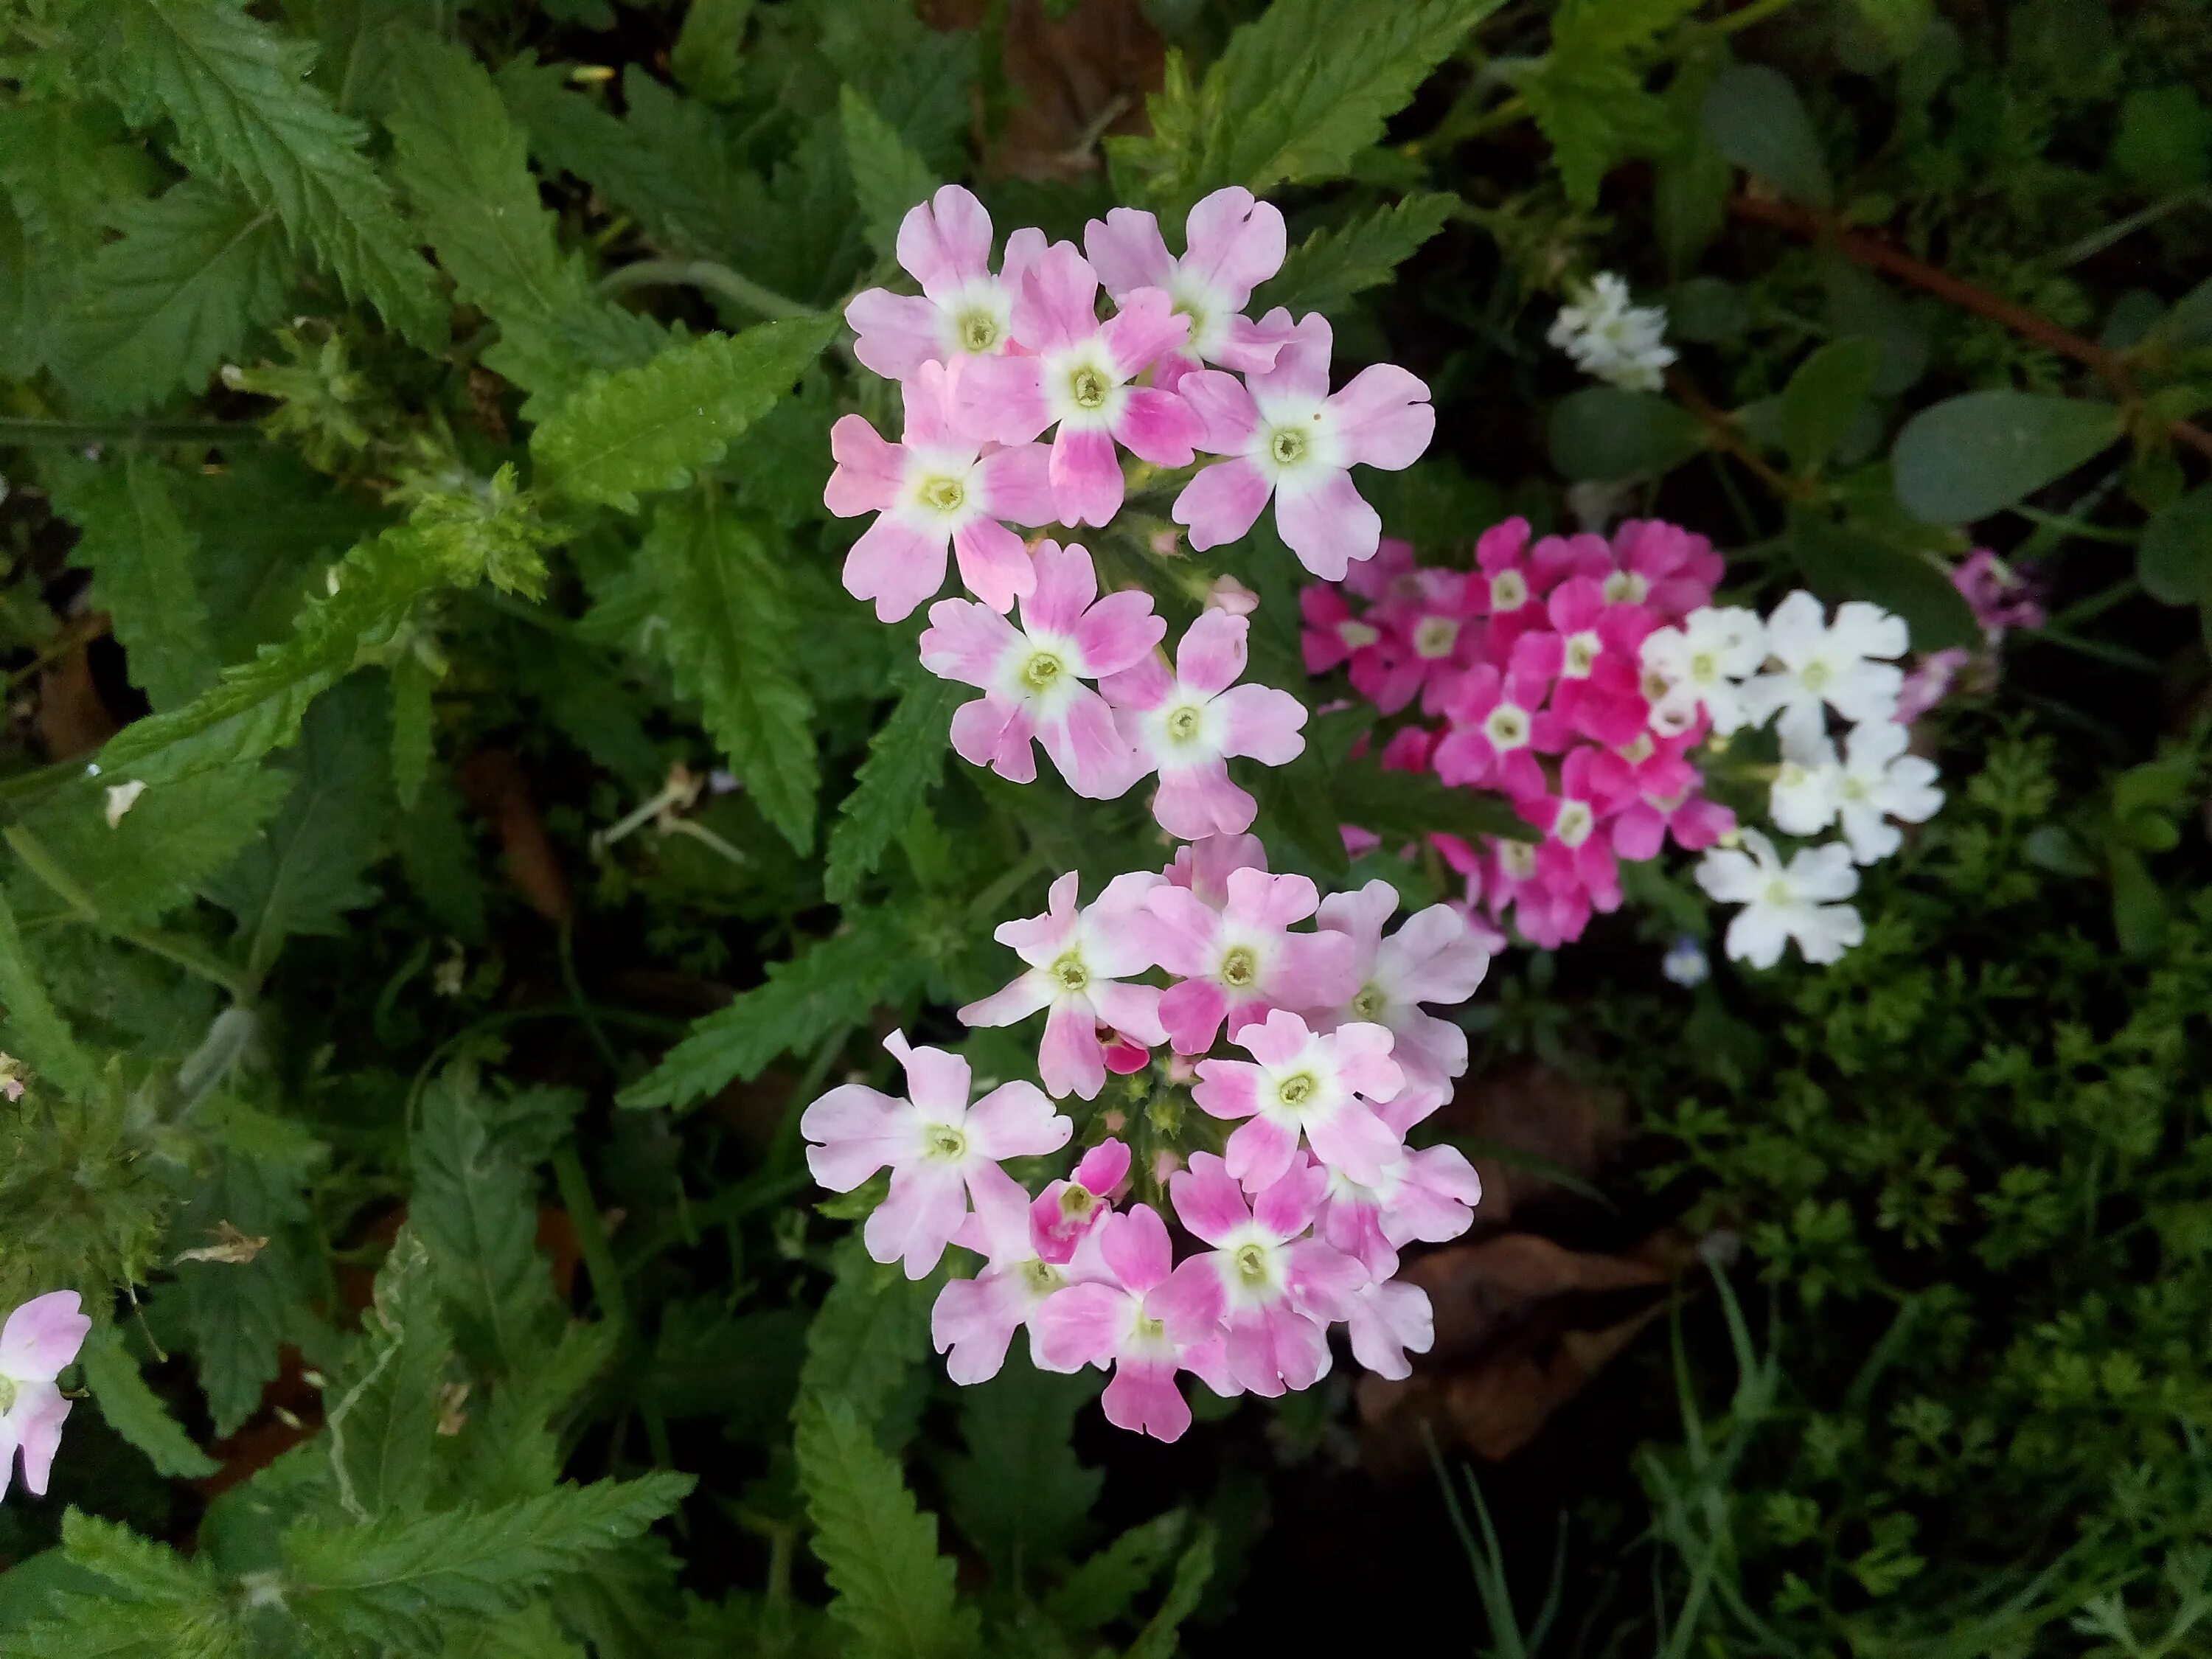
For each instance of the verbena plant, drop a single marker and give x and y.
(483, 796)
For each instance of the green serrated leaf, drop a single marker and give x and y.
(871, 1332)
(708, 52)
(1106, 1586)
(1194, 1570)
(1968, 457)
(414, 727)
(245, 114)
(382, 1414)
(906, 759)
(195, 272)
(651, 428)
(1020, 1495)
(31, 1027)
(1326, 270)
(134, 1411)
(143, 558)
(893, 1591)
(830, 985)
(888, 178)
(438, 857)
(729, 628)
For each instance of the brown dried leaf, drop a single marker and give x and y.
(231, 1246)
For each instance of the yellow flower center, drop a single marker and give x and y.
(1238, 969)
(1251, 1264)
(942, 494)
(979, 331)
(1042, 671)
(1287, 444)
(1182, 723)
(946, 1142)
(1071, 972)
(1087, 388)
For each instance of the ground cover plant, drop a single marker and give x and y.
(1590, 1034)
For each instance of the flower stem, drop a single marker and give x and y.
(709, 274)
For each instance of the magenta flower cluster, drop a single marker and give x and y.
(1020, 400)
(1533, 674)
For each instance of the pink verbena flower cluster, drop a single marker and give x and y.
(1534, 662)
(2003, 597)
(1302, 1212)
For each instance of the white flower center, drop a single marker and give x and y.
(1357, 634)
(978, 329)
(1508, 591)
(1507, 727)
(1854, 788)
(1583, 650)
(1816, 677)
(1297, 1089)
(1184, 723)
(1626, 587)
(1705, 668)
(1287, 445)
(1250, 1261)
(1517, 858)
(1434, 637)
(943, 1142)
(1042, 671)
(1240, 968)
(1777, 891)
(1572, 827)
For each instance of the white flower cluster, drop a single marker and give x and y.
(1797, 667)
(1610, 338)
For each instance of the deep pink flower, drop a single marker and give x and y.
(1440, 634)
(1334, 634)
(1239, 962)
(1298, 1087)
(1386, 1321)
(1186, 726)
(1652, 789)
(974, 1320)
(932, 488)
(1497, 724)
(1572, 854)
(1392, 573)
(1138, 1326)
(944, 244)
(1077, 961)
(40, 1337)
(1427, 1194)
(1668, 569)
(940, 1148)
(1288, 438)
(2002, 597)
(1433, 958)
(1074, 373)
(1277, 1289)
(1067, 1212)
(1233, 243)
(1592, 651)
(1032, 677)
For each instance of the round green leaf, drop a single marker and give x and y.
(1966, 458)
(1754, 117)
(1824, 397)
(1841, 563)
(1605, 433)
(2174, 559)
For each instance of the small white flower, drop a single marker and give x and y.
(1685, 963)
(1612, 339)
(121, 798)
(1784, 902)
(1701, 662)
(1809, 787)
(1843, 664)
(1877, 781)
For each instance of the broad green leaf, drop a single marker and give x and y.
(1842, 562)
(2174, 558)
(1325, 270)
(888, 178)
(1968, 457)
(1898, 24)
(1020, 1495)
(650, 428)
(196, 270)
(831, 986)
(1862, 306)
(134, 1411)
(1823, 399)
(245, 114)
(398, 1580)
(1106, 1586)
(1754, 116)
(871, 1332)
(1604, 433)
(1294, 97)
(475, 1206)
(381, 1415)
(708, 52)
(141, 558)
(729, 634)
(1159, 1639)
(893, 1591)
(30, 1028)
(1617, 24)
(905, 758)
(463, 165)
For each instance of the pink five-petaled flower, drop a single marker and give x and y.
(1592, 649)
(1434, 957)
(1233, 244)
(938, 1147)
(1388, 1320)
(40, 1337)
(1074, 373)
(1662, 567)
(1495, 725)
(1278, 1292)
(932, 488)
(1427, 1194)
(1297, 1085)
(1186, 725)
(1067, 1212)
(964, 311)
(975, 1319)
(1242, 960)
(1151, 1322)
(1077, 961)
(1204, 868)
(1289, 439)
(1032, 677)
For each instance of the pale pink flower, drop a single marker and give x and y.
(1233, 243)
(1289, 439)
(1067, 1212)
(1298, 1087)
(1278, 1288)
(1392, 573)
(1079, 960)
(1433, 958)
(1229, 594)
(1386, 1321)
(40, 1337)
(1187, 725)
(1032, 677)
(1242, 960)
(938, 1147)
(1427, 1194)
(964, 311)
(1074, 373)
(935, 488)
(1135, 1324)
(974, 1320)
(1204, 866)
